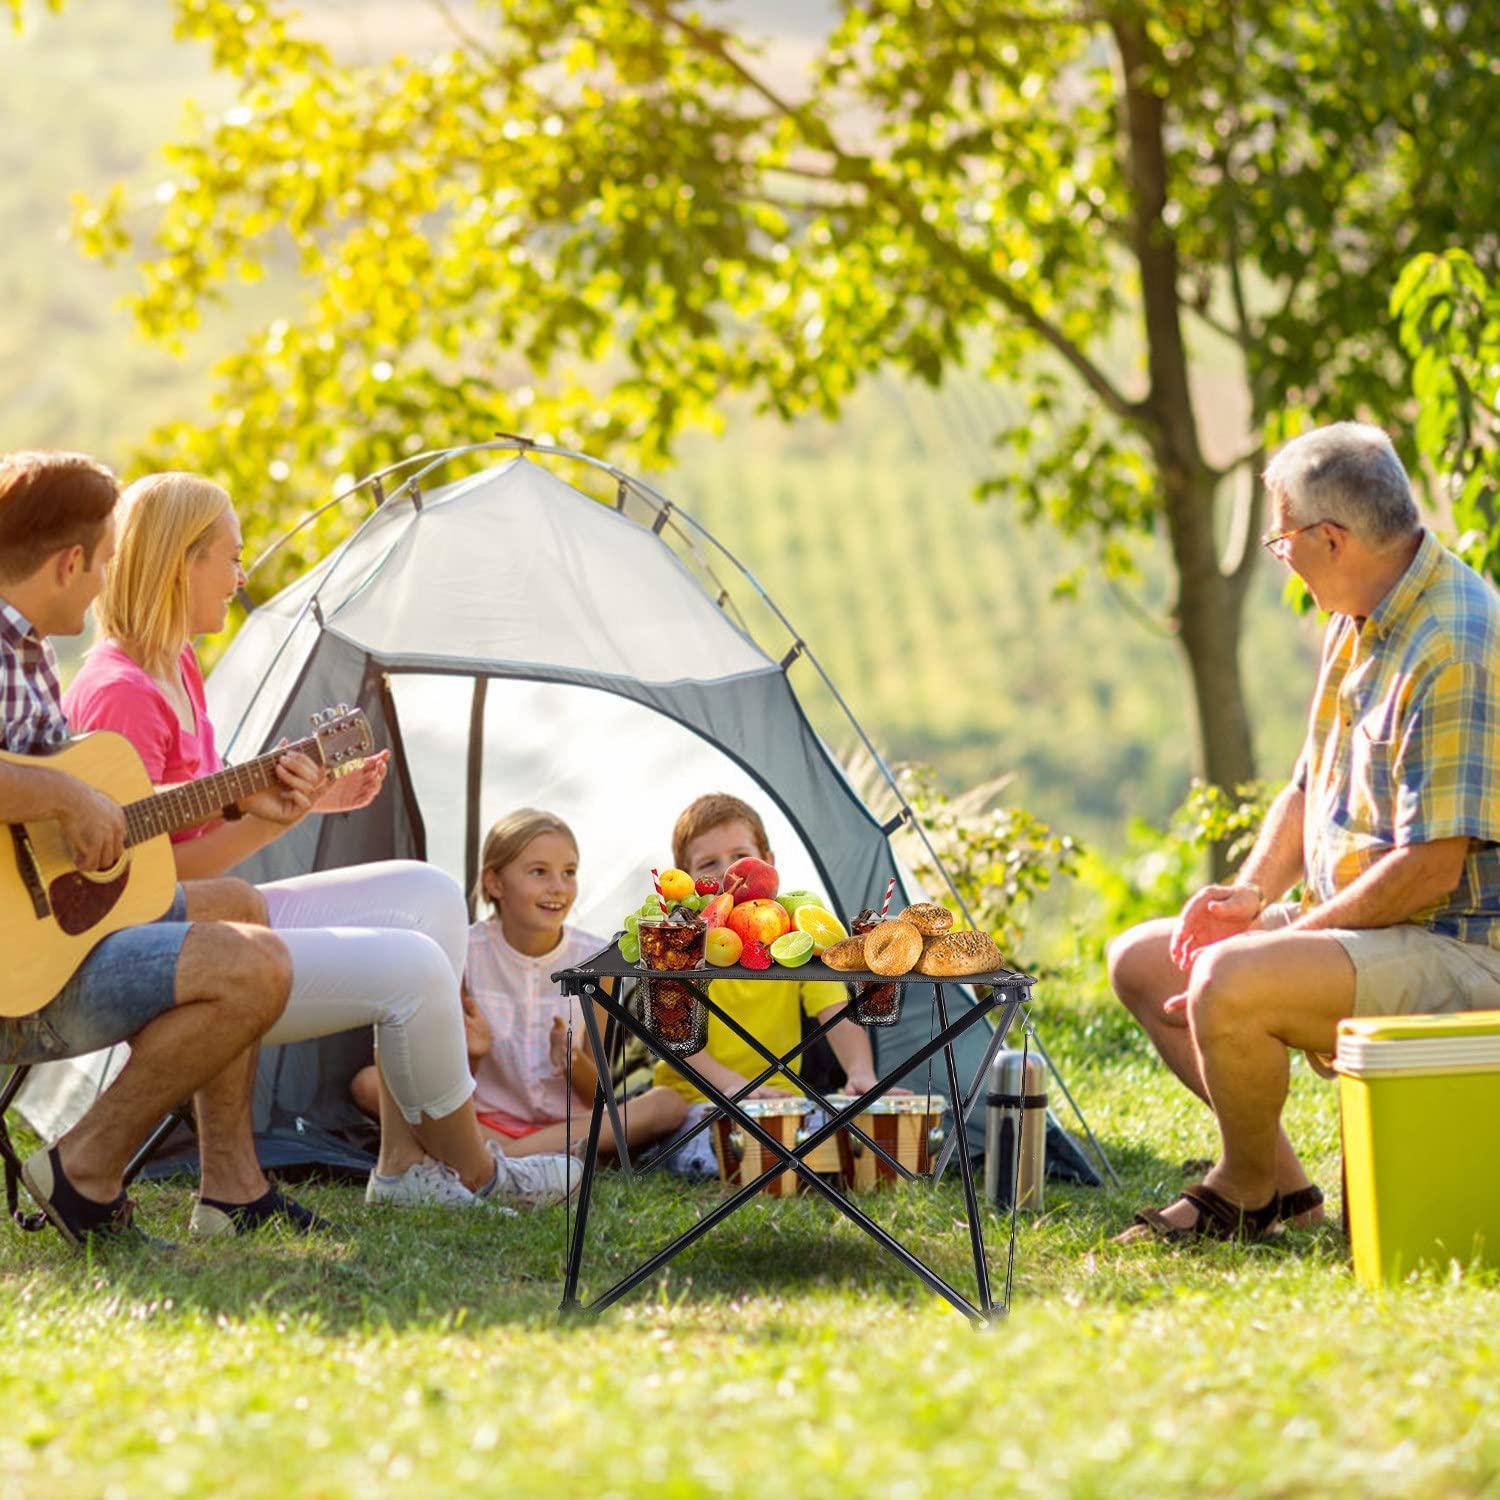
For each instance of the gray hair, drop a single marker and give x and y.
(1347, 472)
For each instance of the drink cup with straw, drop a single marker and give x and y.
(879, 1004)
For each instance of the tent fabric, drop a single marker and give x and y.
(517, 642)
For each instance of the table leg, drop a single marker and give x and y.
(786, 1159)
(996, 1041)
(966, 1170)
(601, 1050)
(570, 1301)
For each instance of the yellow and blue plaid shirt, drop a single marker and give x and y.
(1403, 742)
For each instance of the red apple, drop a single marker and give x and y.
(759, 921)
(751, 880)
(722, 947)
(716, 913)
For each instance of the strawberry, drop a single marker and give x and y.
(755, 955)
(708, 886)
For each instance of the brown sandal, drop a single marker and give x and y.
(1302, 1201)
(1218, 1219)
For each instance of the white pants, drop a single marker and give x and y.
(383, 945)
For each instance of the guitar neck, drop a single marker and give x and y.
(198, 801)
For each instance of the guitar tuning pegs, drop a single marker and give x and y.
(342, 709)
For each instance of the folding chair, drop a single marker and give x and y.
(32, 1222)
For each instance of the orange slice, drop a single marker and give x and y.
(821, 926)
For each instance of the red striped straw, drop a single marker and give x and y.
(885, 905)
(656, 881)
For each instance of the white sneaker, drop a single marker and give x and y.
(534, 1181)
(428, 1184)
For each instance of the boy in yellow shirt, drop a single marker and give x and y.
(711, 834)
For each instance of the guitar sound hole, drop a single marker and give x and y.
(79, 903)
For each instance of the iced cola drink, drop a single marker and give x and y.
(875, 1004)
(673, 1012)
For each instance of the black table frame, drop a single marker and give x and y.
(1002, 995)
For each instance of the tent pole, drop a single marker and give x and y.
(474, 790)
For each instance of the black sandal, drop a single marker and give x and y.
(1218, 1219)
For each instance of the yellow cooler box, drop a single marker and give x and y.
(1420, 1098)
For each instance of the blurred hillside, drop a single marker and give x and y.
(934, 614)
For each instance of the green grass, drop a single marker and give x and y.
(422, 1355)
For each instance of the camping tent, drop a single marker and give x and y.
(517, 642)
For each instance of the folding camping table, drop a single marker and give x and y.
(1006, 993)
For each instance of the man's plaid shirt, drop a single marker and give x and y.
(1403, 743)
(31, 713)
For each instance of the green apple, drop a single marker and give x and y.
(791, 900)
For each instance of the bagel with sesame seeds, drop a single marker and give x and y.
(958, 953)
(930, 919)
(892, 948)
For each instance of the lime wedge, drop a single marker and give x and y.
(792, 949)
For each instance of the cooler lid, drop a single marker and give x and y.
(1382, 1045)
(1402, 1028)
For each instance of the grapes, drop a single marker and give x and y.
(632, 922)
(630, 948)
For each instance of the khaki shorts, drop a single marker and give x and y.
(1409, 970)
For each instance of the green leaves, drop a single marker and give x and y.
(1449, 313)
(999, 857)
(1167, 222)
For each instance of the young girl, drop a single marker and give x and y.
(529, 877)
(379, 944)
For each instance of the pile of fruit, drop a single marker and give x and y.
(747, 921)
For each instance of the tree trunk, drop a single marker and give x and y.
(1209, 605)
(1209, 623)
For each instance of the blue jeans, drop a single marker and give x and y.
(127, 981)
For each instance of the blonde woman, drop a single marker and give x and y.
(175, 570)
(519, 1018)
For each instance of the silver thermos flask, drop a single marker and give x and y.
(1015, 1131)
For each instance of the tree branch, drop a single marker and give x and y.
(464, 35)
(711, 40)
(861, 169)
(1200, 311)
(1248, 456)
(994, 285)
(1166, 629)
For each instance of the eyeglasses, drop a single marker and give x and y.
(1276, 542)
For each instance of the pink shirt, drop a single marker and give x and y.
(113, 691)
(516, 995)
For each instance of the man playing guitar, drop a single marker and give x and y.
(192, 992)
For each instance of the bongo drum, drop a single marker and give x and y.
(742, 1158)
(905, 1125)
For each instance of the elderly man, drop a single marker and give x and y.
(1391, 823)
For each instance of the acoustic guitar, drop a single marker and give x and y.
(53, 914)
